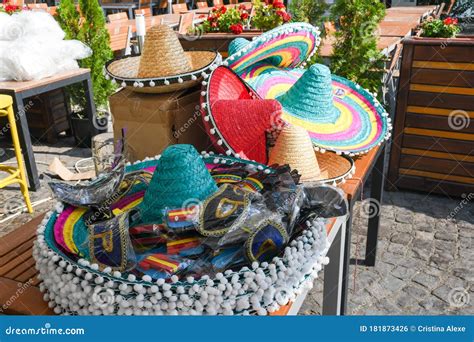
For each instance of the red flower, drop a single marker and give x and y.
(280, 13)
(286, 17)
(242, 7)
(244, 16)
(278, 4)
(236, 28)
(223, 9)
(450, 21)
(214, 24)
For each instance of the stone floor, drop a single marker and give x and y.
(425, 262)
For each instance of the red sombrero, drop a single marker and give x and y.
(236, 118)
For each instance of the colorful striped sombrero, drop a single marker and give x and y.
(287, 46)
(339, 115)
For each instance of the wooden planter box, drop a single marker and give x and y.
(215, 41)
(433, 138)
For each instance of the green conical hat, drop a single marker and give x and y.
(180, 177)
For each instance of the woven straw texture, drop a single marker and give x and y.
(294, 147)
(311, 98)
(163, 54)
(180, 176)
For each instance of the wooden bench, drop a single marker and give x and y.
(19, 292)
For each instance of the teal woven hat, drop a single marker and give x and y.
(180, 177)
(339, 115)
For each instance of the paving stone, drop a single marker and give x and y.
(404, 301)
(402, 227)
(422, 235)
(432, 302)
(446, 236)
(426, 280)
(415, 291)
(394, 259)
(401, 238)
(422, 248)
(403, 272)
(442, 293)
(392, 283)
(397, 248)
(464, 273)
(378, 291)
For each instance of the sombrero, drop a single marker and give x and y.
(287, 46)
(236, 118)
(163, 65)
(356, 121)
(294, 147)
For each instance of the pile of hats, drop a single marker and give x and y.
(263, 92)
(224, 187)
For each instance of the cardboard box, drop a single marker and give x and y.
(155, 121)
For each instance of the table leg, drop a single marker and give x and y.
(333, 274)
(376, 203)
(346, 261)
(90, 106)
(130, 13)
(25, 141)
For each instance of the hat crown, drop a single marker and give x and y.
(180, 177)
(311, 98)
(162, 54)
(295, 148)
(237, 44)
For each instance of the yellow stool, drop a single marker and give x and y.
(17, 174)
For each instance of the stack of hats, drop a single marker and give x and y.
(163, 66)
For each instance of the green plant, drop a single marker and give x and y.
(355, 54)
(309, 11)
(89, 28)
(269, 14)
(447, 28)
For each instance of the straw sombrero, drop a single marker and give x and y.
(287, 46)
(163, 65)
(236, 118)
(294, 147)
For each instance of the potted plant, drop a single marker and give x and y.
(437, 28)
(269, 14)
(89, 27)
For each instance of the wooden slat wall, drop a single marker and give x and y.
(432, 151)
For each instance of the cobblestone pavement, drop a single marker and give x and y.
(425, 263)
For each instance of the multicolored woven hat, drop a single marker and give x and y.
(163, 65)
(294, 147)
(236, 118)
(287, 46)
(180, 176)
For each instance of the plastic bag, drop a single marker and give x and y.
(32, 47)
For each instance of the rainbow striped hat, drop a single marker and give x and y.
(339, 115)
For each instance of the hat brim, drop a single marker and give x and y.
(363, 123)
(286, 46)
(335, 168)
(224, 84)
(124, 71)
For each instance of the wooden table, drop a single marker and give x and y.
(20, 91)
(17, 271)
(398, 29)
